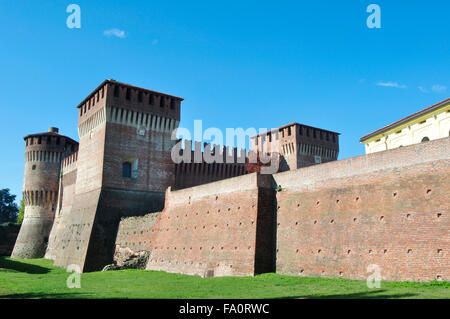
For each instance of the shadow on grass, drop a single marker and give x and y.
(18, 266)
(376, 294)
(43, 296)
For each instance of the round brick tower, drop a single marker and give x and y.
(43, 154)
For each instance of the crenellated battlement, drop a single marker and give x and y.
(299, 145)
(129, 97)
(214, 163)
(42, 198)
(44, 153)
(95, 120)
(141, 120)
(125, 162)
(137, 98)
(226, 154)
(43, 156)
(69, 163)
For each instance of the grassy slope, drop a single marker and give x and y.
(39, 279)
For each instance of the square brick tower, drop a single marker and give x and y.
(123, 168)
(298, 145)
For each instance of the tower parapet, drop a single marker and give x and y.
(194, 170)
(299, 145)
(123, 168)
(43, 155)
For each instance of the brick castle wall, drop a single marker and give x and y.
(117, 123)
(212, 229)
(66, 195)
(332, 220)
(389, 209)
(135, 232)
(43, 155)
(194, 170)
(335, 219)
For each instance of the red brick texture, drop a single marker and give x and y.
(117, 124)
(212, 229)
(335, 219)
(135, 232)
(43, 155)
(389, 208)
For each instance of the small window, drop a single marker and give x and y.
(58, 140)
(130, 169)
(116, 91)
(172, 104)
(39, 140)
(314, 133)
(151, 99)
(140, 96)
(128, 94)
(425, 139)
(162, 102)
(126, 169)
(289, 131)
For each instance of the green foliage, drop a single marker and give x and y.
(21, 212)
(38, 278)
(8, 208)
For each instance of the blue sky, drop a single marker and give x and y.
(243, 64)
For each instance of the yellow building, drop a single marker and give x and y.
(428, 124)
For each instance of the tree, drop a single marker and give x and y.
(8, 208)
(21, 212)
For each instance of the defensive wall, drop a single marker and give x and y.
(43, 154)
(194, 170)
(389, 208)
(217, 229)
(66, 194)
(118, 124)
(135, 232)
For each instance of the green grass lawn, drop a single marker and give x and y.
(37, 278)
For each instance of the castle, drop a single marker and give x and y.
(119, 188)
